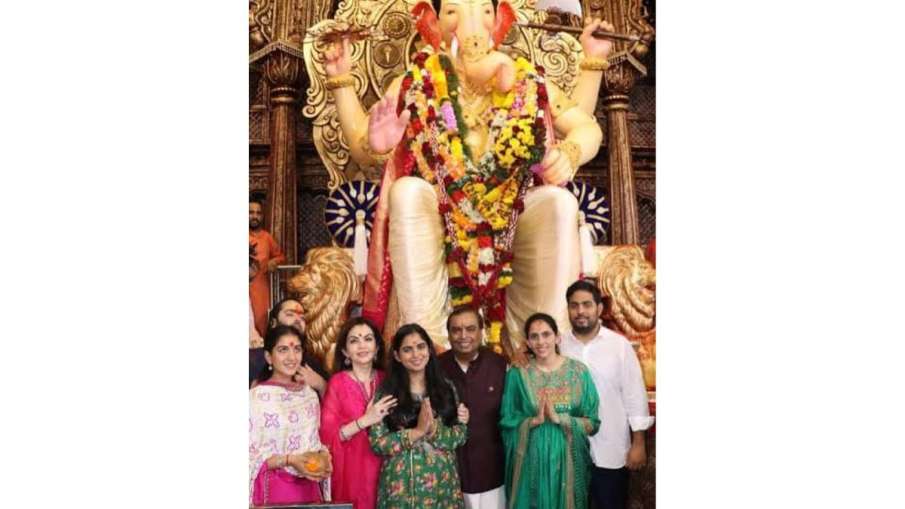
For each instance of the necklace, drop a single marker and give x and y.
(475, 105)
(477, 113)
(549, 369)
(366, 388)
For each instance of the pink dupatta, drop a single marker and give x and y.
(356, 468)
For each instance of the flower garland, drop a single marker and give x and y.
(480, 201)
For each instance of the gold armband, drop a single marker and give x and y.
(594, 64)
(573, 151)
(377, 156)
(341, 81)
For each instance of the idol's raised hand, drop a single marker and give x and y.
(385, 128)
(594, 47)
(338, 58)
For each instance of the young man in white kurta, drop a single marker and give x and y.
(624, 413)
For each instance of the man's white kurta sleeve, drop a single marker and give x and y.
(634, 394)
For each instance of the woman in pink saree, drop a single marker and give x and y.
(287, 460)
(349, 410)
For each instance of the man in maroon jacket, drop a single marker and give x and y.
(478, 374)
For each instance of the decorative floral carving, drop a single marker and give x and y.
(620, 77)
(261, 20)
(257, 183)
(282, 70)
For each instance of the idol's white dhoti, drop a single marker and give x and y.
(546, 257)
(416, 255)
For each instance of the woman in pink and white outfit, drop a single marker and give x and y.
(287, 460)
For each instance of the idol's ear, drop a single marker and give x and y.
(426, 24)
(505, 17)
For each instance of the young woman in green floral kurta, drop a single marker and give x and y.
(419, 437)
(549, 409)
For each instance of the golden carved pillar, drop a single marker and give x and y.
(628, 16)
(623, 206)
(276, 29)
(282, 70)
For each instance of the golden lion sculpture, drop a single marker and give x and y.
(325, 286)
(630, 282)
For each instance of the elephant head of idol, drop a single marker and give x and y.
(470, 32)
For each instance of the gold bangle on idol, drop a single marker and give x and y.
(594, 64)
(342, 81)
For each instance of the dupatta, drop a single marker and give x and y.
(281, 421)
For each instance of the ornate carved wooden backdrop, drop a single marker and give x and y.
(297, 154)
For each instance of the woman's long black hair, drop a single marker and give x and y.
(441, 392)
(270, 342)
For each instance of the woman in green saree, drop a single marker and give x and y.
(549, 409)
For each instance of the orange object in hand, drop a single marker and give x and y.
(312, 465)
(315, 463)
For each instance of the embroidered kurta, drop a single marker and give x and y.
(356, 469)
(281, 421)
(420, 474)
(547, 467)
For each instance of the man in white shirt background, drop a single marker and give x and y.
(619, 445)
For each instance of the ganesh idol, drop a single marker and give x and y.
(475, 148)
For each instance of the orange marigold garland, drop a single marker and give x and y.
(480, 201)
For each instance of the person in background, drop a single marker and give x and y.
(255, 340)
(288, 311)
(268, 255)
